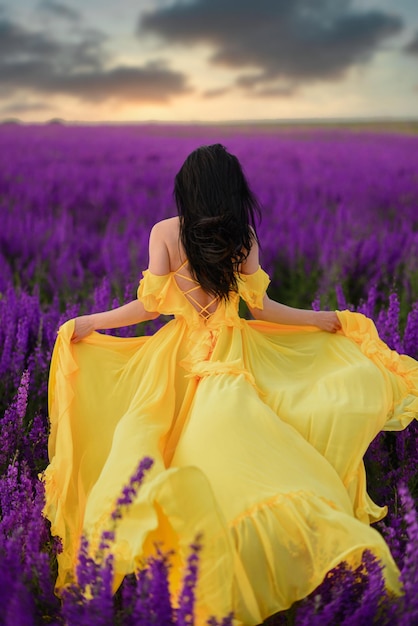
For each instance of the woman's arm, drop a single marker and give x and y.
(280, 313)
(134, 312)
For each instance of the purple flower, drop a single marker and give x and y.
(158, 567)
(186, 600)
(409, 573)
(22, 395)
(26, 576)
(129, 491)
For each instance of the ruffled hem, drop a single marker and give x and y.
(400, 369)
(286, 533)
(364, 508)
(251, 565)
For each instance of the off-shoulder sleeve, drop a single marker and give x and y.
(152, 291)
(252, 287)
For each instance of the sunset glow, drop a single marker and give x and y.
(208, 60)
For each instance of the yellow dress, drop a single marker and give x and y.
(257, 431)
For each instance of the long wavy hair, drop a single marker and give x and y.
(217, 212)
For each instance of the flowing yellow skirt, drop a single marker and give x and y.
(258, 448)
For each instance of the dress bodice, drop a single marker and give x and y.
(162, 293)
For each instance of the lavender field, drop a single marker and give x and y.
(339, 230)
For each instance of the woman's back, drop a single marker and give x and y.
(167, 255)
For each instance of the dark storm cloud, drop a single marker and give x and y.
(294, 41)
(412, 46)
(16, 42)
(37, 62)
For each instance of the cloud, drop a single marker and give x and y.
(274, 91)
(216, 92)
(60, 11)
(295, 41)
(412, 46)
(16, 108)
(16, 42)
(36, 62)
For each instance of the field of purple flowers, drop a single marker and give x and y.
(339, 230)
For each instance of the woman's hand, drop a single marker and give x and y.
(83, 327)
(327, 320)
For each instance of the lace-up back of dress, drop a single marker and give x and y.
(194, 293)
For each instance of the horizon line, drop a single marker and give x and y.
(236, 122)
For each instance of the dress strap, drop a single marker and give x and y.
(202, 310)
(180, 268)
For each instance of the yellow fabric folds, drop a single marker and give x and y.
(257, 432)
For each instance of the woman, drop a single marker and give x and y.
(257, 428)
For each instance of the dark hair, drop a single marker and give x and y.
(217, 211)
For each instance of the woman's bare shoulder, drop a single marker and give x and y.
(166, 234)
(252, 262)
(167, 230)
(167, 225)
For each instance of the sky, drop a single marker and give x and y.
(208, 60)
